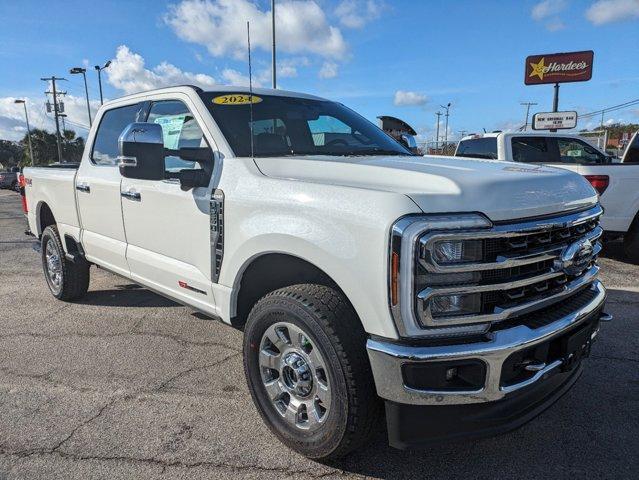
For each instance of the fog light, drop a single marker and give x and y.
(455, 305)
(458, 251)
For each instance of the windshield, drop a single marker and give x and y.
(286, 126)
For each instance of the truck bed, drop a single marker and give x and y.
(52, 186)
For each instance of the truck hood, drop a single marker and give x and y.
(500, 190)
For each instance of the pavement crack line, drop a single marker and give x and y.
(171, 379)
(181, 341)
(164, 464)
(86, 422)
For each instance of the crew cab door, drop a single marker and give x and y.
(167, 228)
(98, 191)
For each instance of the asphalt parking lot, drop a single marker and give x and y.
(127, 384)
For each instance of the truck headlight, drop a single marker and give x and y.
(455, 305)
(458, 251)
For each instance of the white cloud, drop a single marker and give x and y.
(548, 11)
(128, 73)
(287, 67)
(608, 11)
(406, 98)
(328, 70)
(220, 26)
(357, 13)
(547, 8)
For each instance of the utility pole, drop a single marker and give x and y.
(527, 105)
(462, 133)
(53, 79)
(447, 107)
(273, 67)
(439, 114)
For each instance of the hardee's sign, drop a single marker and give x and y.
(559, 68)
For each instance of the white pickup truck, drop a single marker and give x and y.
(617, 183)
(460, 294)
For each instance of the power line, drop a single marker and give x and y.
(610, 109)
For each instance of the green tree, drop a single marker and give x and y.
(10, 153)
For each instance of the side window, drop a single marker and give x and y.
(632, 152)
(180, 130)
(478, 148)
(105, 147)
(572, 150)
(532, 150)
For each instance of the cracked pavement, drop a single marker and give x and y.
(126, 384)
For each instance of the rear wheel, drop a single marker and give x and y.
(67, 280)
(307, 369)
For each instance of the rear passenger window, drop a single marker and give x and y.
(105, 147)
(531, 150)
(478, 148)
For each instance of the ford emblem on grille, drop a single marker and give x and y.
(576, 257)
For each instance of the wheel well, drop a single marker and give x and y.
(46, 217)
(270, 272)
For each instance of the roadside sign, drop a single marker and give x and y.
(559, 68)
(554, 120)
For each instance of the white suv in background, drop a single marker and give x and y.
(617, 183)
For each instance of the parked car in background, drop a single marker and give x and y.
(616, 182)
(460, 294)
(9, 179)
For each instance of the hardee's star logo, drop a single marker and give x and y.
(538, 69)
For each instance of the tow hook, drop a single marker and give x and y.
(605, 317)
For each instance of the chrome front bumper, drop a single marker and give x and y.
(387, 359)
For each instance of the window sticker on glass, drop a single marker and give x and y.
(236, 99)
(171, 129)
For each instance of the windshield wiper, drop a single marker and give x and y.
(380, 151)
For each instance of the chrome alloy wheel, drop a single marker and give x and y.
(294, 375)
(53, 266)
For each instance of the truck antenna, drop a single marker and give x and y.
(248, 38)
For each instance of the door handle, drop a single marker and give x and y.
(131, 195)
(83, 187)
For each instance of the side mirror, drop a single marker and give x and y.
(409, 142)
(142, 151)
(193, 179)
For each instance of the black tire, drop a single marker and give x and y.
(74, 276)
(15, 187)
(331, 324)
(631, 243)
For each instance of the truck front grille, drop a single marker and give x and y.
(524, 270)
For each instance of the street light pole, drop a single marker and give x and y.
(76, 70)
(26, 116)
(99, 70)
(439, 114)
(273, 67)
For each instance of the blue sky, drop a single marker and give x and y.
(379, 57)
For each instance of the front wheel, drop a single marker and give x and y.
(66, 280)
(307, 369)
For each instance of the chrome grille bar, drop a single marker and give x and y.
(412, 240)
